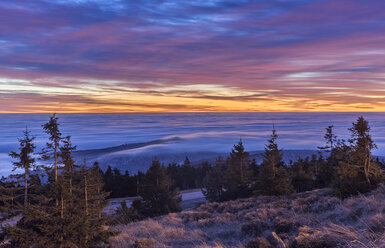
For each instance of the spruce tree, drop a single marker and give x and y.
(24, 160)
(358, 172)
(77, 221)
(331, 139)
(155, 190)
(213, 187)
(327, 169)
(94, 199)
(301, 179)
(362, 145)
(238, 174)
(52, 148)
(187, 174)
(273, 178)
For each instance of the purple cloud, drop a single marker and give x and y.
(300, 54)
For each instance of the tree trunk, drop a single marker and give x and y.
(55, 153)
(25, 187)
(241, 170)
(366, 171)
(62, 207)
(56, 178)
(70, 172)
(86, 193)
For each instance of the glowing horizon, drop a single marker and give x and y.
(93, 56)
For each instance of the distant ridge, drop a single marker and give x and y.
(103, 151)
(124, 157)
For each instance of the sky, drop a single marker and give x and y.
(192, 56)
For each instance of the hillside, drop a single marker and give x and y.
(310, 219)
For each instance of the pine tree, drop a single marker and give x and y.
(213, 188)
(238, 174)
(24, 160)
(273, 178)
(155, 190)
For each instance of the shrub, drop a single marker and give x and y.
(308, 238)
(143, 243)
(125, 215)
(284, 225)
(259, 243)
(254, 229)
(377, 223)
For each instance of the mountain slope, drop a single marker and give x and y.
(310, 219)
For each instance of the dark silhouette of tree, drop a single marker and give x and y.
(362, 144)
(77, 221)
(327, 170)
(331, 139)
(237, 175)
(213, 187)
(24, 160)
(155, 190)
(52, 129)
(273, 178)
(301, 177)
(358, 172)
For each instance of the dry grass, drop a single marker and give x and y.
(310, 219)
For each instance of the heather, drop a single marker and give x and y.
(309, 219)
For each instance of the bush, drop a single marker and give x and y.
(308, 238)
(284, 225)
(259, 243)
(254, 229)
(377, 223)
(143, 243)
(125, 215)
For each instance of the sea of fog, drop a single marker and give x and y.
(197, 135)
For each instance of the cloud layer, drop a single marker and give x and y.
(212, 55)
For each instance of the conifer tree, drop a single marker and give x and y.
(24, 160)
(66, 179)
(362, 145)
(187, 174)
(358, 172)
(10, 193)
(327, 170)
(238, 174)
(52, 129)
(301, 179)
(186, 161)
(273, 178)
(213, 188)
(78, 220)
(52, 151)
(94, 199)
(331, 139)
(155, 190)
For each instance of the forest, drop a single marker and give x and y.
(56, 202)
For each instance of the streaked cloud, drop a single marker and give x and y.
(217, 55)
